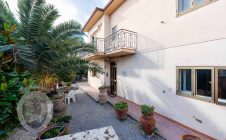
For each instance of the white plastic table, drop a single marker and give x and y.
(105, 133)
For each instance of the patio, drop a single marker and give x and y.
(87, 115)
(169, 129)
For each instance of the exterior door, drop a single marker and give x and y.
(113, 78)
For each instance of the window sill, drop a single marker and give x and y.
(195, 8)
(196, 97)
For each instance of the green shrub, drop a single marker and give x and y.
(53, 132)
(11, 90)
(121, 105)
(61, 120)
(147, 109)
(14, 80)
(104, 87)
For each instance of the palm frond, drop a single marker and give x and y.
(26, 56)
(5, 48)
(66, 30)
(30, 18)
(6, 14)
(42, 47)
(49, 15)
(23, 54)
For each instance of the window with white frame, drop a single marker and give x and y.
(205, 83)
(185, 6)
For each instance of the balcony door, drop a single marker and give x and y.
(113, 79)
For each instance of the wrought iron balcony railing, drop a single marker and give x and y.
(120, 40)
(99, 45)
(123, 42)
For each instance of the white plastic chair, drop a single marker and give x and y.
(69, 96)
(74, 86)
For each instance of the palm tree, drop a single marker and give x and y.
(53, 49)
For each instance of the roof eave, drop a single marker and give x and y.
(84, 29)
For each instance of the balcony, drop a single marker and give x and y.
(99, 45)
(121, 43)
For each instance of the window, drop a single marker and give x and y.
(203, 83)
(199, 1)
(185, 6)
(196, 82)
(185, 81)
(93, 73)
(114, 30)
(221, 85)
(93, 38)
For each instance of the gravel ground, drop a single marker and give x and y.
(21, 134)
(87, 115)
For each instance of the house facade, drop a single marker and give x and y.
(170, 54)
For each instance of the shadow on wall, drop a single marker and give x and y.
(152, 50)
(150, 91)
(149, 56)
(147, 44)
(182, 107)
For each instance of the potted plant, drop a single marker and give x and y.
(103, 94)
(57, 97)
(147, 119)
(61, 120)
(59, 107)
(57, 127)
(51, 132)
(68, 84)
(49, 81)
(121, 109)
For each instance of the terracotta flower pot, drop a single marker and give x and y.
(121, 113)
(59, 107)
(40, 135)
(189, 137)
(148, 129)
(103, 96)
(103, 90)
(147, 120)
(148, 123)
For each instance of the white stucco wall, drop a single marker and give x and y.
(96, 81)
(145, 16)
(143, 77)
(161, 47)
(97, 30)
(100, 31)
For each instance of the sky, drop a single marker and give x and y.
(79, 10)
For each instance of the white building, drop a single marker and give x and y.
(166, 53)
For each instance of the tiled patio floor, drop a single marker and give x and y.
(167, 128)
